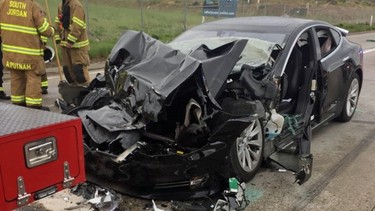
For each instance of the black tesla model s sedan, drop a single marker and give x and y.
(173, 121)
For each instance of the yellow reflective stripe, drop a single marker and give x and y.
(44, 83)
(77, 44)
(1, 89)
(33, 101)
(22, 50)
(79, 22)
(72, 38)
(44, 39)
(57, 20)
(57, 37)
(44, 26)
(16, 28)
(81, 44)
(18, 99)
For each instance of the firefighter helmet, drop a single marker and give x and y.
(49, 54)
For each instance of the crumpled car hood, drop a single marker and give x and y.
(147, 71)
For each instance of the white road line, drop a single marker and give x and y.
(368, 51)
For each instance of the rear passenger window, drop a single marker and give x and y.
(327, 41)
(336, 36)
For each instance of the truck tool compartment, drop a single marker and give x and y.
(40, 153)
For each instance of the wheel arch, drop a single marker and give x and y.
(359, 72)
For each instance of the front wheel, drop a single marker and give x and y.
(246, 153)
(351, 101)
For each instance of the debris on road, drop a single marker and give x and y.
(232, 199)
(98, 197)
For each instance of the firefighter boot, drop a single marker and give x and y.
(3, 96)
(40, 108)
(44, 108)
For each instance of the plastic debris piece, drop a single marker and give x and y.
(155, 207)
(99, 198)
(95, 200)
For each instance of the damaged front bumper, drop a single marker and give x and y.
(176, 176)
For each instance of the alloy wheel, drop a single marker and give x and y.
(250, 146)
(352, 98)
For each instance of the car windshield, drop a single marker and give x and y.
(256, 53)
(278, 38)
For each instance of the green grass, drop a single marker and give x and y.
(107, 22)
(108, 19)
(100, 50)
(360, 27)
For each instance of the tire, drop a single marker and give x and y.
(246, 153)
(96, 98)
(93, 100)
(351, 99)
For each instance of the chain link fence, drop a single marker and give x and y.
(165, 19)
(331, 12)
(335, 14)
(178, 15)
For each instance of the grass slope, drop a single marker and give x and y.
(108, 19)
(165, 19)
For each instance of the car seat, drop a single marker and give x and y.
(291, 82)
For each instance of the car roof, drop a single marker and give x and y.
(276, 24)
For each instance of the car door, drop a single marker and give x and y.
(298, 89)
(331, 73)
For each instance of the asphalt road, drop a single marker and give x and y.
(343, 175)
(344, 162)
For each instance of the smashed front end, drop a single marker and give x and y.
(161, 133)
(164, 123)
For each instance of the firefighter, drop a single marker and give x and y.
(22, 24)
(3, 96)
(73, 38)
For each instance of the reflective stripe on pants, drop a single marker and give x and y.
(26, 84)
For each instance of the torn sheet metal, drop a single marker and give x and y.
(100, 132)
(148, 71)
(222, 58)
(113, 118)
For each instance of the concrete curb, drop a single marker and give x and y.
(52, 71)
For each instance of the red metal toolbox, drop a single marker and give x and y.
(41, 153)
